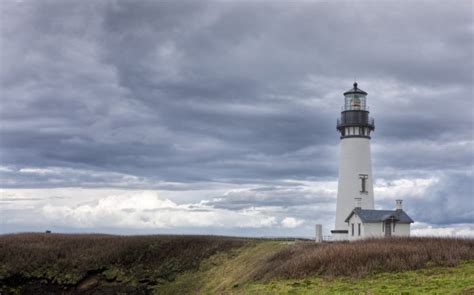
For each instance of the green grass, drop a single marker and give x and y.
(52, 263)
(224, 272)
(235, 272)
(435, 280)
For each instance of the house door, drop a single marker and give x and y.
(388, 228)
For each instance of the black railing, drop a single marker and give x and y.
(355, 118)
(351, 108)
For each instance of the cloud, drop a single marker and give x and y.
(398, 188)
(232, 105)
(290, 222)
(198, 95)
(461, 230)
(278, 194)
(148, 210)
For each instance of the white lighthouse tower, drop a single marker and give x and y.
(355, 166)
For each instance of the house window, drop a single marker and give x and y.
(359, 229)
(363, 183)
(383, 227)
(352, 229)
(394, 226)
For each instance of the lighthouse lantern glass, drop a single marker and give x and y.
(355, 101)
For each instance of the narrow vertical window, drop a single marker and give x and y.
(363, 183)
(352, 229)
(359, 229)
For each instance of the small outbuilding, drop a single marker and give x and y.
(367, 223)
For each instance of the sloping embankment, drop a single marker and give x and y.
(56, 263)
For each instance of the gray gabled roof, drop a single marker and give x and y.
(368, 215)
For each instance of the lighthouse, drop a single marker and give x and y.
(355, 164)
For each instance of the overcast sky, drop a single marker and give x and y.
(219, 116)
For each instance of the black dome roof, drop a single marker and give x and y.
(355, 90)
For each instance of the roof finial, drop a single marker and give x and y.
(355, 85)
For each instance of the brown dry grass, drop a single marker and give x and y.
(68, 258)
(360, 258)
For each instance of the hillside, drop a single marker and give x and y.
(53, 263)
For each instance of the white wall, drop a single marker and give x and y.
(354, 159)
(401, 229)
(339, 237)
(375, 229)
(355, 220)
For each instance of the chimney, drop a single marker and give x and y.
(399, 204)
(358, 203)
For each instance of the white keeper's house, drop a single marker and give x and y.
(356, 216)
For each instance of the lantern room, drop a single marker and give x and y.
(355, 120)
(355, 99)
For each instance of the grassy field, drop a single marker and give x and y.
(240, 271)
(433, 280)
(71, 264)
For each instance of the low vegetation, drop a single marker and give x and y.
(433, 280)
(57, 263)
(78, 260)
(369, 266)
(357, 259)
(225, 272)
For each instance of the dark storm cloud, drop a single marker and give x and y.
(283, 197)
(448, 201)
(231, 91)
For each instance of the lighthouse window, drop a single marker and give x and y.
(356, 103)
(363, 183)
